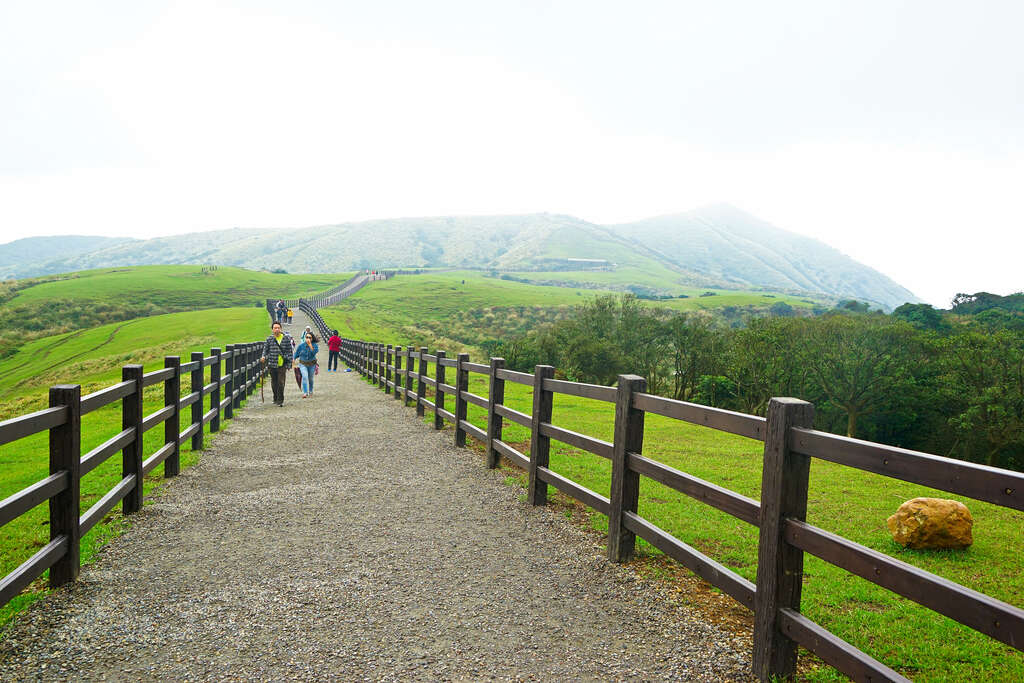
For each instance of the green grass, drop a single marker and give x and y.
(94, 358)
(460, 309)
(418, 307)
(179, 286)
(913, 640)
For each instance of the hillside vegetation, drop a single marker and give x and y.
(714, 247)
(44, 306)
(466, 309)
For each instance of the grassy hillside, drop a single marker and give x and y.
(712, 247)
(20, 258)
(183, 286)
(730, 246)
(45, 306)
(463, 309)
(94, 359)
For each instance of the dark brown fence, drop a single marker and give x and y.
(62, 419)
(784, 535)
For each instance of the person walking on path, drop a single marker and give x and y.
(279, 308)
(277, 355)
(305, 354)
(334, 346)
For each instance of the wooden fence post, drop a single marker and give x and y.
(385, 350)
(439, 373)
(496, 396)
(461, 385)
(378, 370)
(172, 426)
(241, 368)
(780, 566)
(229, 385)
(254, 368)
(131, 455)
(65, 456)
(421, 386)
(540, 445)
(197, 406)
(398, 373)
(215, 394)
(625, 491)
(408, 374)
(389, 365)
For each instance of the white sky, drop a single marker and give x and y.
(892, 130)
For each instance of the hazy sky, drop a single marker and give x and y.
(891, 130)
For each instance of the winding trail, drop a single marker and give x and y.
(340, 538)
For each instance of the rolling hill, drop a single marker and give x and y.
(713, 247)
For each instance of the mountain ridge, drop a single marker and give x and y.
(717, 246)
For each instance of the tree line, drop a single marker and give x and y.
(946, 382)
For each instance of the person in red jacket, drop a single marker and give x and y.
(334, 346)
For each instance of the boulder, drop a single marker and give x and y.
(932, 523)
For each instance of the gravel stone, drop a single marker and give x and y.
(341, 538)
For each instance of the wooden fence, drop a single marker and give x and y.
(784, 535)
(63, 418)
(333, 295)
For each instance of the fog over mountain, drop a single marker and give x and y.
(714, 246)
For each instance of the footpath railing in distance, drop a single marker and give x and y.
(780, 515)
(63, 420)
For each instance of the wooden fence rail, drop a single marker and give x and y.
(780, 515)
(63, 420)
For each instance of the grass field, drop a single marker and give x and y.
(178, 286)
(94, 358)
(915, 641)
(458, 308)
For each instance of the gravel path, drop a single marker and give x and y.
(340, 538)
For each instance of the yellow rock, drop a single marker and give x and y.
(932, 523)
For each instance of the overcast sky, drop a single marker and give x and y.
(893, 131)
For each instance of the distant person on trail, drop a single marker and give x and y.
(277, 355)
(289, 316)
(280, 309)
(334, 346)
(306, 355)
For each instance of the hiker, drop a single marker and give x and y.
(289, 316)
(305, 354)
(277, 355)
(334, 346)
(279, 309)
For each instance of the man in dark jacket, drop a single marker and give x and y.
(277, 356)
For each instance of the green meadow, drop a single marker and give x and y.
(461, 308)
(93, 358)
(913, 640)
(180, 286)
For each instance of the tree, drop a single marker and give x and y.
(921, 316)
(859, 363)
(985, 372)
(693, 346)
(761, 362)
